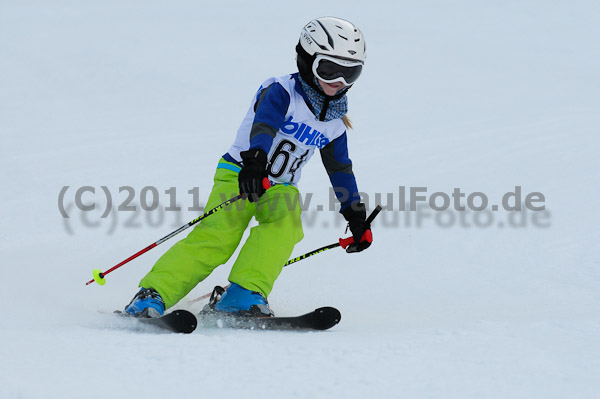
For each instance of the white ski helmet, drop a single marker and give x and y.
(332, 49)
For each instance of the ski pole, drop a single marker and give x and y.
(99, 275)
(342, 242)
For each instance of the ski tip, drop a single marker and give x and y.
(186, 320)
(326, 317)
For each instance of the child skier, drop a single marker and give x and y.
(289, 117)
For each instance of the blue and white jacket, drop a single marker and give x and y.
(281, 122)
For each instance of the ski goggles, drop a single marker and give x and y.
(330, 69)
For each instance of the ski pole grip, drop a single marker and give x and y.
(266, 183)
(368, 235)
(344, 242)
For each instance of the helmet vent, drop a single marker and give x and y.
(329, 38)
(345, 38)
(352, 52)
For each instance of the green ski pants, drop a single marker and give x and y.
(212, 242)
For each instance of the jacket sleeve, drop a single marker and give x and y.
(270, 109)
(339, 168)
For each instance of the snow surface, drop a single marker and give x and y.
(483, 96)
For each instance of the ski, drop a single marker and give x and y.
(178, 321)
(319, 319)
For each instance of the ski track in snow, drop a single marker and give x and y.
(479, 96)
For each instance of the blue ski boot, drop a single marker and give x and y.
(237, 299)
(146, 303)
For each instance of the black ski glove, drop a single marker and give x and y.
(253, 172)
(356, 215)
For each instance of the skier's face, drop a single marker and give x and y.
(331, 89)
